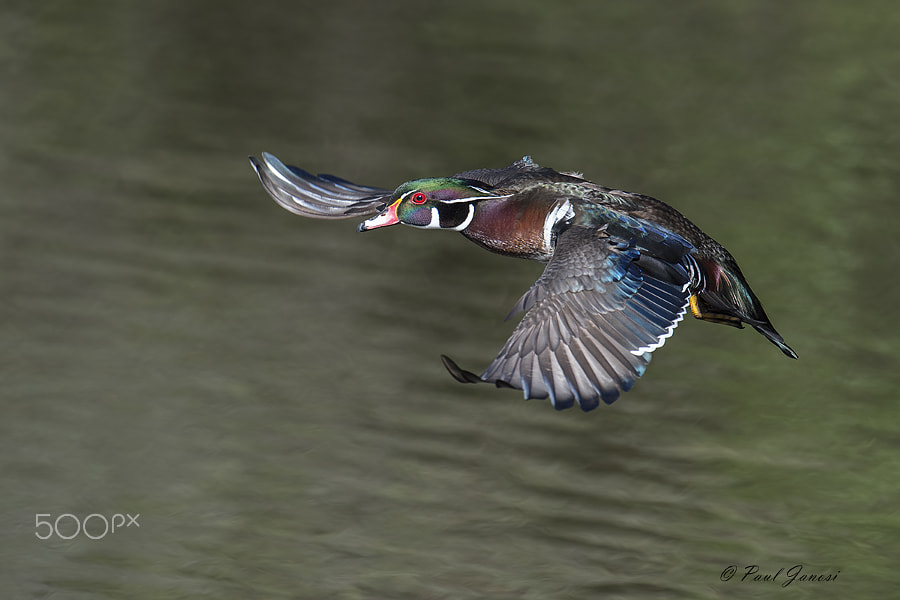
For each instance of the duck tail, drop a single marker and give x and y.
(725, 297)
(773, 336)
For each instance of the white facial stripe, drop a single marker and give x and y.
(468, 220)
(433, 223)
(458, 200)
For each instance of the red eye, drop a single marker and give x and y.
(418, 198)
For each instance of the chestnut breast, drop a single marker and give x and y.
(512, 226)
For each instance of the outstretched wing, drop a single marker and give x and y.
(592, 319)
(317, 196)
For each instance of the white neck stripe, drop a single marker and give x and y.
(468, 220)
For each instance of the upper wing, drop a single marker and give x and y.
(318, 196)
(522, 173)
(592, 319)
(495, 177)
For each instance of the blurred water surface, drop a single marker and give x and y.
(265, 391)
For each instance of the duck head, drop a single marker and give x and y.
(438, 203)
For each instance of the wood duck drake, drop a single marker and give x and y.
(622, 269)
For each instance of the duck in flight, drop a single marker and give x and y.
(622, 269)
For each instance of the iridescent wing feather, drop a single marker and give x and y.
(591, 320)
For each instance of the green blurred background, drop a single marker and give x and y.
(265, 390)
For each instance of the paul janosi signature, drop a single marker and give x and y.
(784, 575)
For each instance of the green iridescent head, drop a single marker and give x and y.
(437, 203)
